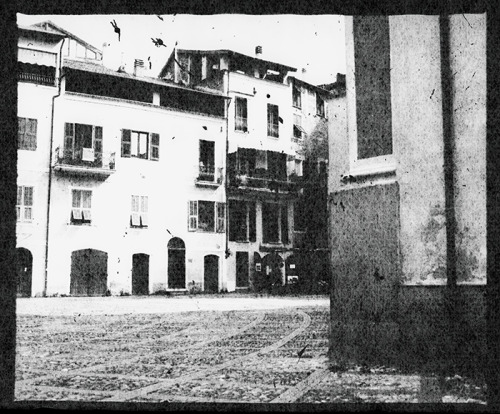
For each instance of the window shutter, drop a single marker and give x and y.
(193, 215)
(155, 147)
(144, 211)
(126, 141)
(221, 217)
(98, 140)
(31, 144)
(21, 129)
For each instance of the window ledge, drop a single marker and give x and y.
(371, 171)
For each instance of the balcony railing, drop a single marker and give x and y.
(206, 173)
(263, 182)
(37, 78)
(84, 160)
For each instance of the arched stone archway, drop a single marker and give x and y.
(176, 263)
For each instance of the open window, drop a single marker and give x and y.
(272, 120)
(206, 216)
(297, 97)
(83, 143)
(207, 161)
(139, 211)
(81, 207)
(241, 120)
(138, 144)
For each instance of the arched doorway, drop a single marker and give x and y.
(140, 274)
(24, 266)
(176, 263)
(211, 273)
(89, 272)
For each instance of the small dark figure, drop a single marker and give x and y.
(158, 42)
(301, 352)
(117, 29)
(159, 17)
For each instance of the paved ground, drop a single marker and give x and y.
(195, 349)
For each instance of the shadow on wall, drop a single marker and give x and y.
(428, 329)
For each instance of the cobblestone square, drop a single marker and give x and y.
(220, 352)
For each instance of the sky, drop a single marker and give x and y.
(311, 42)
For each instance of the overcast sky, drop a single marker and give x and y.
(315, 43)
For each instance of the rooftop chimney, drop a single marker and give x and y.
(138, 67)
(258, 50)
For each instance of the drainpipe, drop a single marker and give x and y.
(50, 170)
(228, 102)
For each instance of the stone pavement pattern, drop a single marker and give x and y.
(199, 356)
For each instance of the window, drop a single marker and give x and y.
(270, 223)
(83, 142)
(297, 97)
(240, 120)
(139, 211)
(297, 126)
(275, 223)
(242, 221)
(272, 120)
(207, 161)
(24, 205)
(140, 145)
(299, 215)
(276, 165)
(373, 86)
(320, 105)
(26, 134)
(208, 216)
(81, 207)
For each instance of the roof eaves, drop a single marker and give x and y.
(69, 34)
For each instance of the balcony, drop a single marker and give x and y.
(37, 78)
(84, 161)
(263, 182)
(207, 176)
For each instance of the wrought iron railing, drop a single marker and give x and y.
(85, 157)
(206, 173)
(37, 78)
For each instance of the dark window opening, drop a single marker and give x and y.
(207, 161)
(238, 220)
(241, 120)
(297, 97)
(271, 223)
(272, 120)
(276, 165)
(206, 216)
(320, 105)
